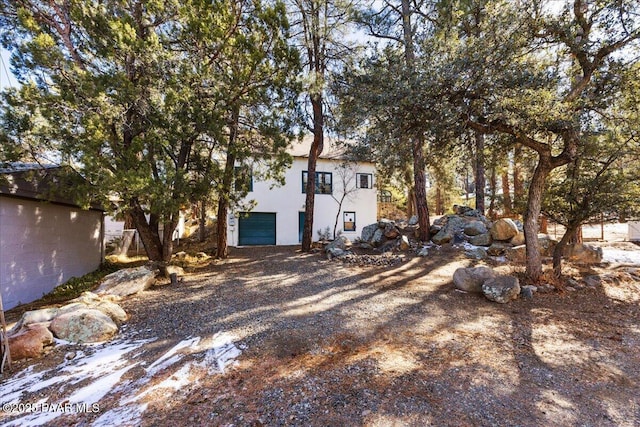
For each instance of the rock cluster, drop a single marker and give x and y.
(92, 317)
(86, 319)
(387, 235)
(501, 289)
(503, 237)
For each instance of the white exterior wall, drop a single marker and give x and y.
(42, 245)
(288, 200)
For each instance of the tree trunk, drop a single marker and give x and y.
(493, 183)
(480, 180)
(558, 252)
(518, 187)
(148, 235)
(202, 223)
(439, 202)
(420, 189)
(534, 205)
(506, 193)
(222, 250)
(316, 149)
(168, 227)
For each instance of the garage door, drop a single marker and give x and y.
(257, 228)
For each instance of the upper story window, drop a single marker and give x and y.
(243, 178)
(364, 180)
(323, 182)
(384, 196)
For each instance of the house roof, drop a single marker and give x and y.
(333, 149)
(53, 183)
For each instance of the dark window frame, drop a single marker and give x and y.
(359, 177)
(344, 221)
(321, 187)
(242, 172)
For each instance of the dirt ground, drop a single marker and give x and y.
(330, 344)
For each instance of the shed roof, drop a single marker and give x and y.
(48, 182)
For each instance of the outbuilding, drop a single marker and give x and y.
(45, 237)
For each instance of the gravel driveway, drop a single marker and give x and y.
(323, 343)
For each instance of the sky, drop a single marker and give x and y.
(6, 77)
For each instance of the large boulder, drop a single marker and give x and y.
(84, 326)
(583, 254)
(474, 228)
(335, 253)
(454, 224)
(341, 242)
(481, 240)
(413, 220)
(443, 236)
(30, 341)
(43, 315)
(104, 304)
(501, 289)
(391, 231)
(378, 237)
(504, 229)
(128, 281)
(471, 279)
(368, 231)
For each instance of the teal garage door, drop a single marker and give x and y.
(257, 228)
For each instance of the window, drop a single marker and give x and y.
(243, 178)
(349, 221)
(364, 180)
(323, 182)
(384, 196)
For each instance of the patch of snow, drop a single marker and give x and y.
(170, 357)
(122, 416)
(466, 246)
(101, 371)
(620, 256)
(221, 353)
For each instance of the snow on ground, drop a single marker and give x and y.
(81, 383)
(621, 256)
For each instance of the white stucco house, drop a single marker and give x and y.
(277, 217)
(45, 239)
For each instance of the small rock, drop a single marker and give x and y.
(404, 243)
(518, 239)
(476, 253)
(501, 289)
(498, 248)
(424, 251)
(481, 240)
(527, 291)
